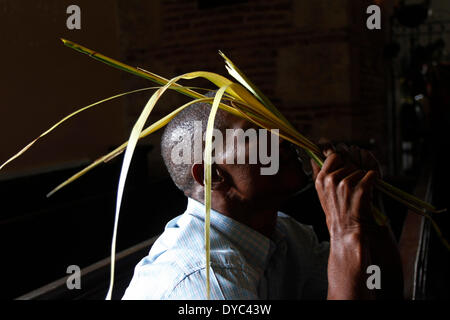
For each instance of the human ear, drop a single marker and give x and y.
(197, 172)
(218, 180)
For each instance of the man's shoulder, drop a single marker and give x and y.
(178, 246)
(292, 227)
(177, 255)
(300, 236)
(144, 286)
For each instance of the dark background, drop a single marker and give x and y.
(385, 90)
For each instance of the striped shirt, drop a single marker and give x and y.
(244, 263)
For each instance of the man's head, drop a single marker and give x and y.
(234, 184)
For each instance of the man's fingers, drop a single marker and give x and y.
(351, 180)
(326, 146)
(339, 175)
(364, 159)
(355, 155)
(368, 180)
(364, 189)
(342, 147)
(331, 163)
(315, 169)
(370, 162)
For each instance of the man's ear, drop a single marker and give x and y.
(197, 173)
(217, 175)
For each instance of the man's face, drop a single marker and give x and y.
(255, 188)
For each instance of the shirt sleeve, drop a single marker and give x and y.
(225, 284)
(149, 282)
(316, 286)
(309, 256)
(152, 282)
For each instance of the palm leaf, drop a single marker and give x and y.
(207, 178)
(247, 101)
(23, 150)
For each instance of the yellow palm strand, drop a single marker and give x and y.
(249, 103)
(23, 150)
(266, 124)
(122, 66)
(109, 156)
(207, 180)
(136, 132)
(236, 73)
(28, 146)
(279, 124)
(391, 190)
(134, 137)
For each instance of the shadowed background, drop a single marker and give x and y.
(316, 60)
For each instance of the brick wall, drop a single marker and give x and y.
(315, 59)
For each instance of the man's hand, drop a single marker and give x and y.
(345, 193)
(345, 186)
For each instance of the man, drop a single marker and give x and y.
(256, 251)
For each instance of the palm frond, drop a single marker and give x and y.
(246, 100)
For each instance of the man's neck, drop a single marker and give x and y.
(264, 222)
(261, 219)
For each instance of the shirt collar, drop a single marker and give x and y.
(256, 247)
